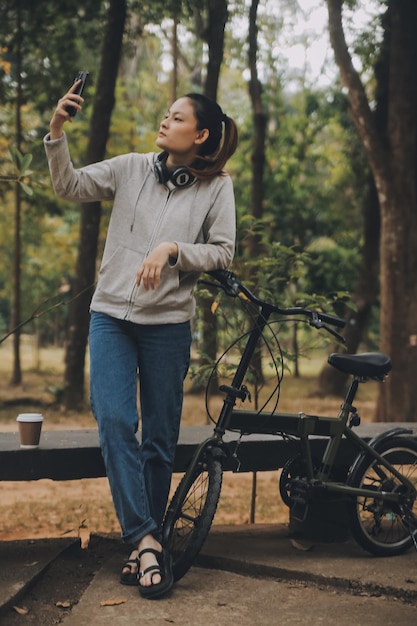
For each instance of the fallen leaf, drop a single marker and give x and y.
(31, 564)
(113, 602)
(214, 307)
(21, 610)
(66, 604)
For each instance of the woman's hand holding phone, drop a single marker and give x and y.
(68, 106)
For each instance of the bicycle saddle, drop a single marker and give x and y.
(366, 365)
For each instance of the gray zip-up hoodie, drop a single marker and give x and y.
(200, 219)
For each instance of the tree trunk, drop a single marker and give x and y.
(16, 378)
(258, 153)
(393, 163)
(398, 397)
(331, 381)
(214, 35)
(73, 396)
(174, 52)
(217, 20)
(259, 129)
(257, 192)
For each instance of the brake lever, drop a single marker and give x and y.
(316, 322)
(334, 333)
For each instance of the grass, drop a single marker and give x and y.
(51, 509)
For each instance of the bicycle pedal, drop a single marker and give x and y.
(299, 511)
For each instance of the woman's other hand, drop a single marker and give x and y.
(149, 273)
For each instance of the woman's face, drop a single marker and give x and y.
(178, 134)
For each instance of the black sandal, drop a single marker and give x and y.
(130, 578)
(164, 569)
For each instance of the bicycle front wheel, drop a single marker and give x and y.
(190, 514)
(379, 526)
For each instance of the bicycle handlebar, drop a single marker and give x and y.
(232, 286)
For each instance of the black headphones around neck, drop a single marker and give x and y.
(179, 176)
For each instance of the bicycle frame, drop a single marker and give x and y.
(300, 425)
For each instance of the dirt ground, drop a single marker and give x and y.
(61, 586)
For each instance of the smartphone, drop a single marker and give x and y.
(83, 77)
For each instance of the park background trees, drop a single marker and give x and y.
(324, 174)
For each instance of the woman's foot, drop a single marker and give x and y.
(155, 575)
(129, 573)
(147, 560)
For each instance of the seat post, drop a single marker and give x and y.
(352, 389)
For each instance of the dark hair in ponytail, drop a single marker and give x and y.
(221, 142)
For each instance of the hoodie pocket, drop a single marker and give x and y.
(166, 295)
(117, 280)
(117, 276)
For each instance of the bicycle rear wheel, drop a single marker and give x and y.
(381, 527)
(190, 514)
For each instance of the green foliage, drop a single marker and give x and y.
(21, 163)
(314, 175)
(330, 268)
(44, 40)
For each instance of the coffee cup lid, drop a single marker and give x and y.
(29, 417)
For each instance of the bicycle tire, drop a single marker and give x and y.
(379, 527)
(191, 513)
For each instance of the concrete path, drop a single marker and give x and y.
(257, 574)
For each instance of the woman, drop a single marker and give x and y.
(173, 217)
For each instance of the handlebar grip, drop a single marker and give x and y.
(221, 275)
(228, 281)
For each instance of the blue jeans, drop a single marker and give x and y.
(139, 474)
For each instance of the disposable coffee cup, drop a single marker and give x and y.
(30, 426)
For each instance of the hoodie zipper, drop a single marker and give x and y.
(149, 248)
